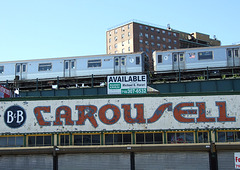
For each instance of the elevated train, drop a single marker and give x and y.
(224, 57)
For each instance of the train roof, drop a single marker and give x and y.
(72, 57)
(197, 48)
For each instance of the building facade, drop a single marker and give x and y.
(138, 37)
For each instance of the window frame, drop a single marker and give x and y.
(43, 65)
(1, 69)
(36, 139)
(94, 63)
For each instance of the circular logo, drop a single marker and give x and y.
(15, 116)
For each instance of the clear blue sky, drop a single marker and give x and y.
(31, 29)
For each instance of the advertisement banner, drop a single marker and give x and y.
(142, 113)
(237, 160)
(127, 84)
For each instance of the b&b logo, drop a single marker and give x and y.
(15, 116)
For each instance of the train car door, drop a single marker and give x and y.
(178, 61)
(119, 64)
(21, 71)
(69, 68)
(233, 57)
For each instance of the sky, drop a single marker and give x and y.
(36, 29)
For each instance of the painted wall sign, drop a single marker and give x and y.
(4, 92)
(237, 160)
(127, 84)
(145, 113)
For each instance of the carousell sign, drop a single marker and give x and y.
(4, 92)
(237, 160)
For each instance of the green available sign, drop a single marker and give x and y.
(114, 85)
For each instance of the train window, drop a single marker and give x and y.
(203, 137)
(72, 64)
(181, 55)
(44, 140)
(45, 67)
(66, 65)
(180, 137)
(1, 69)
(236, 52)
(175, 57)
(207, 55)
(91, 139)
(116, 61)
(24, 68)
(159, 58)
(149, 138)
(123, 61)
(11, 141)
(18, 68)
(64, 140)
(229, 53)
(137, 60)
(95, 63)
(117, 139)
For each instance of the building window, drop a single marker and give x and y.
(45, 140)
(86, 139)
(110, 33)
(45, 67)
(115, 52)
(152, 29)
(164, 46)
(169, 33)
(207, 55)
(123, 43)
(140, 34)
(164, 39)
(158, 45)
(146, 35)
(228, 136)
(94, 63)
(115, 38)
(169, 47)
(159, 58)
(129, 34)
(11, 141)
(158, 31)
(158, 38)
(180, 137)
(64, 140)
(174, 34)
(203, 137)
(141, 27)
(152, 37)
(175, 41)
(146, 42)
(129, 49)
(169, 40)
(128, 26)
(110, 47)
(123, 29)
(129, 41)
(1, 69)
(122, 35)
(117, 139)
(163, 31)
(137, 60)
(115, 45)
(141, 41)
(109, 40)
(152, 43)
(115, 31)
(146, 27)
(149, 138)
(123, 50)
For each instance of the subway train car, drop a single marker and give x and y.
(72, 66)
(196, 58)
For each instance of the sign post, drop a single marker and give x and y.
(4, 92)
(127, 84)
